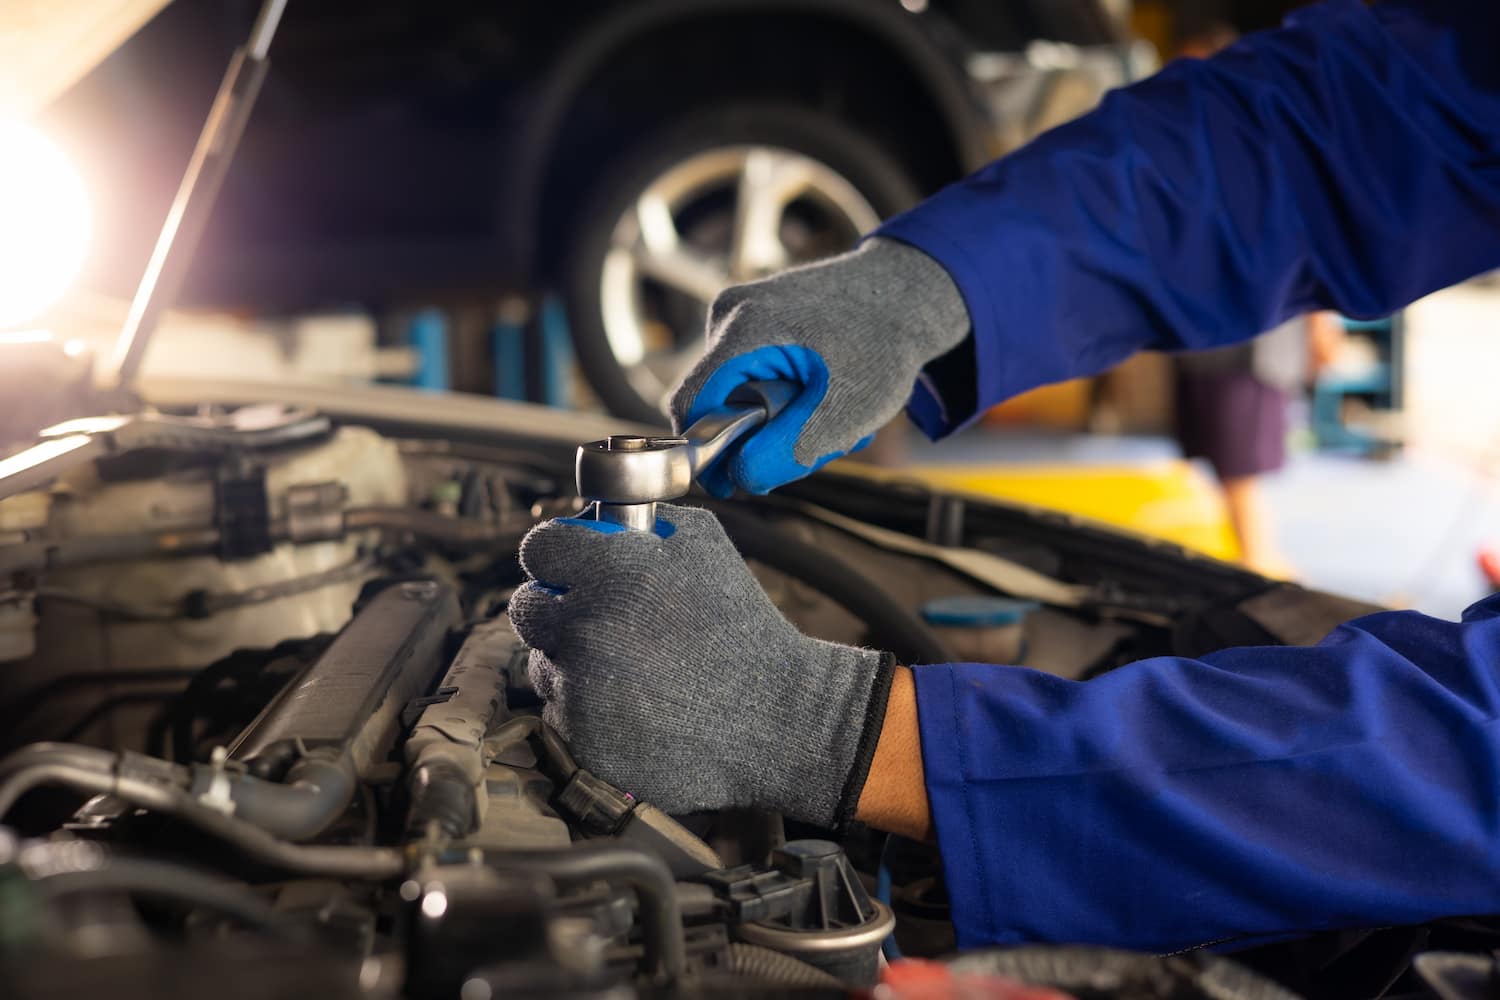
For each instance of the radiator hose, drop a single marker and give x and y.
(315, 793)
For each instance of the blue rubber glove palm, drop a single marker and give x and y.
(854, 332)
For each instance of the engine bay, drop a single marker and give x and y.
(268, 729)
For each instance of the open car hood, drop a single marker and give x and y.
(48, 45)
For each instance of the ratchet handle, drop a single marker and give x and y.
(771, 395)
(750, 406)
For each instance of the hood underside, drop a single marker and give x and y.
(48, 45)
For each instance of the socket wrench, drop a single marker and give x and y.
(626, 475)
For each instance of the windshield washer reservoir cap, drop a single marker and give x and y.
(977, 611)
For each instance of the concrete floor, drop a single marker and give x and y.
(1404, 533)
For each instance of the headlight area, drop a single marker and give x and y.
(44, 224)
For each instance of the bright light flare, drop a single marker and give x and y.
(44, 223)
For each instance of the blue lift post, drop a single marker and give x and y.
(508, 348)
(556, 354)
(550, 381)
(427, 336)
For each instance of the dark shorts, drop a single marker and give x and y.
(1232, 419)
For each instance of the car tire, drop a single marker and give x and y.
(789, 139)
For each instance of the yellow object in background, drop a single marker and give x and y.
(1154, 21)
(1062, 406)
(1172, 500)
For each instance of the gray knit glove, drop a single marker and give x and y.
(854, 331)
(672, 675)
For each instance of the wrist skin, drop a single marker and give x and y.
(894, 798)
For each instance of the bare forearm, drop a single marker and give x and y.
(895, 794)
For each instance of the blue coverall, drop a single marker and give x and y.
(1350, 160)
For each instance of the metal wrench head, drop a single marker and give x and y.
(626, 475)
(634, 469)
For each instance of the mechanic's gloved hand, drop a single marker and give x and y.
(854, 331)
(672, 675)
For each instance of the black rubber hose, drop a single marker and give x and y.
(893, 627)
(34, 754)
(81, 779)
(377, 863)
(165, 881)
(440, 793)
(316, 792)
(140, 782)
(772, 967)
(599, 861)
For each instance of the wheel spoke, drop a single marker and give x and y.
(658, 230)
(660, 253)
(768, 183)
(756, 244)
(711, 220)
(682, 269)
(619, 294)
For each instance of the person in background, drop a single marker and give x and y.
(1232, 403)
(1231, 411)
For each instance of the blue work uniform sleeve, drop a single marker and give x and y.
(1349, 160)
(1255, 792)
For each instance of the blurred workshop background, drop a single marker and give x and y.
(538, 202)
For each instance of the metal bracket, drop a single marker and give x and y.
(414, 708)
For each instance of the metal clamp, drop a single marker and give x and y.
(219, 796)
(626, 475)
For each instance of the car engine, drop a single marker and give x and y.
(268, 730)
